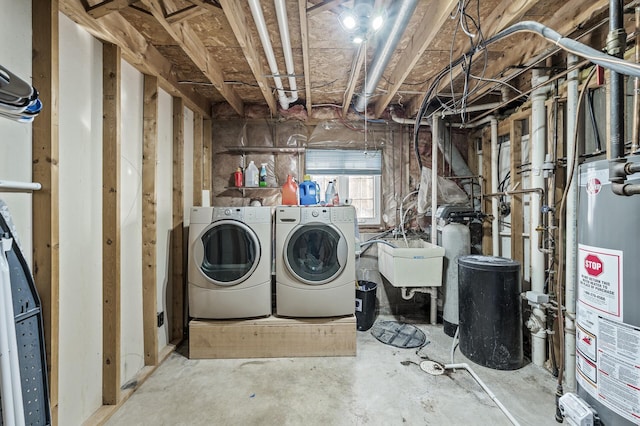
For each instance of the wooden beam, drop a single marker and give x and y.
(325, 5)
(207, 151)
(46, 232)
(136, 50)
(177, 265)
(185, 14)
(107, 7)
(435, 16)
(304, 36)
(238, 21)
(353, 78)
(111, 82)
(149, 232)
(197, 159)
(188, 41)
(515, 181)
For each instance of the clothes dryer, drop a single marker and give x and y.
(315, 261)
(229, 267)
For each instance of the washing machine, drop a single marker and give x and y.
(229, 267)
(315, 261)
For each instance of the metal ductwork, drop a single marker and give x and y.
(403, 11)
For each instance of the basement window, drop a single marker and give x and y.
(357, 177)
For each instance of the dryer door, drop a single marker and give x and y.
(227, 252)
(315, 253)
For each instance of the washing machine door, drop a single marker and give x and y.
(315, 254)
(227, 252)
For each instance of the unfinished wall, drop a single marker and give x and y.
(80, 174)
(132, 343)
(188, 166)
(164, 191)
(15, 138)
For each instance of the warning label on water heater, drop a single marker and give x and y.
(600, 280)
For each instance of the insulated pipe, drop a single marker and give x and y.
(408, 293)
(571, 226)
(261, 25)
(495, 228)
(435, 141)
(538, 143)
(405, 9)
(283, 26)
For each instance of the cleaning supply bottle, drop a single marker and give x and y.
(309, 192)
(329, 193)
(237, 177)
(263, 175)
(251, 175)
(290, 192)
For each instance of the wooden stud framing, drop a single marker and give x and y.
(46, 232)
(177, 264)
(207, 152)
(197, 159)
(325, 5)
(517, 217)
(185, 14)
(149, 158)
(111, 81)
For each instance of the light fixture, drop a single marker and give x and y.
(362, 20)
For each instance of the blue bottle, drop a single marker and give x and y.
(309, 192)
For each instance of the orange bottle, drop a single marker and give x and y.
(290, 192)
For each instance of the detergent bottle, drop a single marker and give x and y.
(290, 192)
(330, 193)
(263, 175)
(309, 192)
(251, 175)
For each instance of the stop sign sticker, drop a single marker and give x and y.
(593, 265)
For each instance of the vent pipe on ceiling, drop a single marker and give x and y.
(404, 10)
(261, 25)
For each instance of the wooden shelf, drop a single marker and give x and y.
(263, 149)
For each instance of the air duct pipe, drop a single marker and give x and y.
(495, 228)
(538, 144)
(261, 25)
(404, 12)
(571, 226)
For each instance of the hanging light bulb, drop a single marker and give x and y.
(377, 22)
(348, 21)
(358, 39)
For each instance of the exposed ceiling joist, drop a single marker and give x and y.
(353, 79)
(238, 21)
(304, 34)
(186, 13)
(108, 6)
(189, 42)
(325, 5)
(135, 49)
(432, 21)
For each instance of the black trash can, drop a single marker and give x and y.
(365, 304)
(490, 311)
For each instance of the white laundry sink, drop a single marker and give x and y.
(418, 264)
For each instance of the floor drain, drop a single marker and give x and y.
(432, 368)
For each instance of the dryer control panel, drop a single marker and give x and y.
(320, 214)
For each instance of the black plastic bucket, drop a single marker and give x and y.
(490, 311)
(365, 304)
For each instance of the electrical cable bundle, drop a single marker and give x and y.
(18, 99)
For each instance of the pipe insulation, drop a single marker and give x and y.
(538, 144)
(404, 11)
(571, 226)
(495, 223)
(261, 25)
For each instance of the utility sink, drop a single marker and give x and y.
(416, 264)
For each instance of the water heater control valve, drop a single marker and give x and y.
(577, 412)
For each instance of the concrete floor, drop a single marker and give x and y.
(382, 385)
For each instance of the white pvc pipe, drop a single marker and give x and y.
(571, 226)
(465, 366)
(19, 186)
(14, 365)
(495, 228)
(261, 25)
(435, 139)
(283, 25)
(538, 145)
(408, 293)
